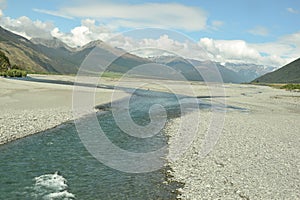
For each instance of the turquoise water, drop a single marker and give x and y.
(55, 164)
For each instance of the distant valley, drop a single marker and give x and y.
(53, 56)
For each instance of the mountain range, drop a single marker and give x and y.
(249, 72)
(40, 55)
(191, 68)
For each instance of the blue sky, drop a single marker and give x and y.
(254, 24)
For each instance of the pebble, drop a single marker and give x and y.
(18, 124)
(256, 157)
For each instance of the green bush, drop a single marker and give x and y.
(10, 73)
(16, 73)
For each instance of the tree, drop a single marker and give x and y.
(4, 62)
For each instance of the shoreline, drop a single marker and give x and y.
(36, 133)
(28, 108)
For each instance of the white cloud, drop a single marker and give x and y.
(27, 28)
(54, 13)
(81, 35)
(233, 50)
(274, 48)
(259, 30)
(163, 15)
(292, 42)
(292, 10)
(293, 39)
(239, 51)
(287, 46)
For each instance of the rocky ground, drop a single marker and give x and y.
(256, 156)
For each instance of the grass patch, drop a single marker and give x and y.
(277, 86)
(291, 87)
(109, 74)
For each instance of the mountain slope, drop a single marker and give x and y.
(21, 52)
(124, 61)
(59, 53)
(289, 73)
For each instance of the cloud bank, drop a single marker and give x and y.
(239, 51)
(27, 28)
(81, 35)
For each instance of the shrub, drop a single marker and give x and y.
(16, 73)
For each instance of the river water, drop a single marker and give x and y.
(55, 164)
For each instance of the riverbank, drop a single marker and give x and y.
(257, 154)
(31, 107)
(256, 157)
(45, 101)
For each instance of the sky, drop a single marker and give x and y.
(262, 32)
